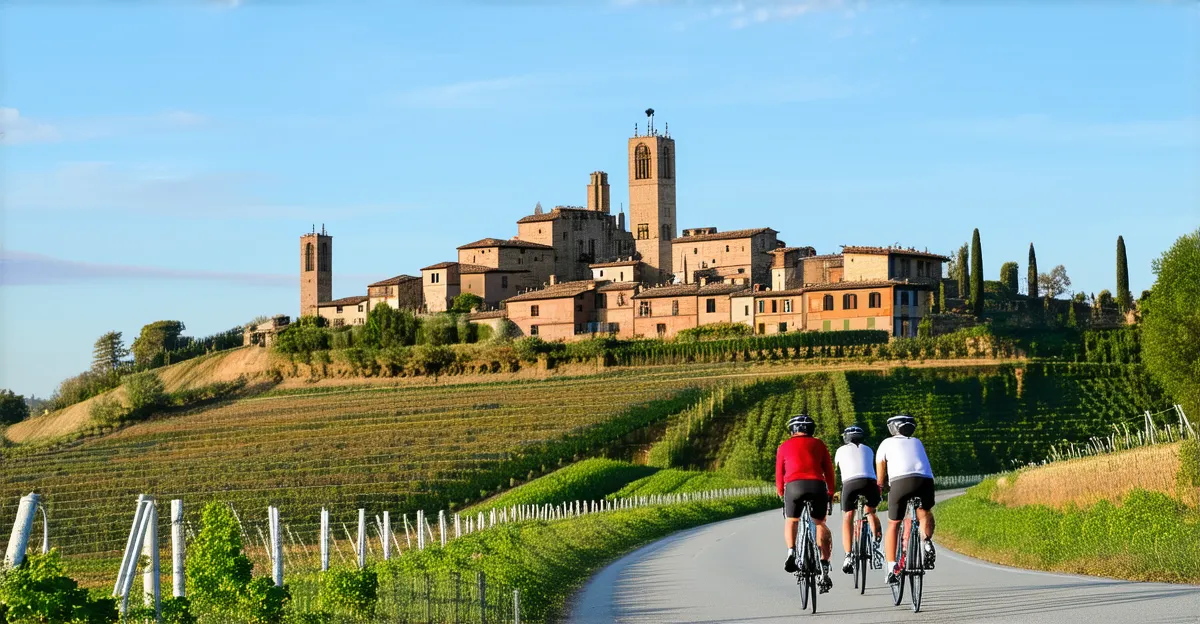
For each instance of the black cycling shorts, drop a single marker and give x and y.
(905, 488)
(811, 490)
(854, 487)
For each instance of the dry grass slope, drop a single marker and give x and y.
(1086, 481)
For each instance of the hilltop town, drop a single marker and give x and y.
(575, 272)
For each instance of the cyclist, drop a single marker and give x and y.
(804, 472)
(856, 462)
(901, 463)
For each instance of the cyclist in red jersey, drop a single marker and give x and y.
(804, 472)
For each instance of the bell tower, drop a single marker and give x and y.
(316, 270)
(652, 198)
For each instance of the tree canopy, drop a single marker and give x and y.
(466, 302)
(1008, 277)
(1171, 323)
(108, 353)
(156, 338)
(1055, 282)
(13, 408)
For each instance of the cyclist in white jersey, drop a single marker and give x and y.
(902, 464)
(855, 461)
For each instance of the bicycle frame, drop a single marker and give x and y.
(807, 553)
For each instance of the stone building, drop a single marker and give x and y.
(441, 285)
(344, 311)
(534, 262)
(557, 312)
(652, 218)
(618, 271)
(578, 237)
(787, 266)
(615, 309)
(263, 334)
(738, 256)
(400, 292)
(316, 270)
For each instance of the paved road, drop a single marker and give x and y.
(732, 571)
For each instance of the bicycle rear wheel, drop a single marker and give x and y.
(813, 573)
(915, 567)
(898, 584)
(862, 561)
(802, 577)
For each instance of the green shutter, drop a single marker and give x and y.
(870, 322)
(824, 325)
(846, 324)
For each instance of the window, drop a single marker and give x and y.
(747, 313)
(824, 325)
(644, 308)
(503, 281)
(666, 171)
(534, 310)
(761, 306)
(661, 329)
(666, 231)
(533, 330)
(849, 302)
(339, 309)
(360, 307)
(774, 306)
(870, 322)
(674, 307)
(905, 267)
(643, 231)
(601, 300)
(726, 248)
(710, 306)
(621, 300)
(904, 297)
(874, 300)
(641, 162)
(621, 276)
(827, 302)
(695, 250)
(601, 272)
(783, 328)
(308, 257)
(323, 260)
(742, 270)
(787, 305)
(762, 329)
(614, 328)
(564, 236)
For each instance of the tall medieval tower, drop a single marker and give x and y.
(652, 198)
(316, 271)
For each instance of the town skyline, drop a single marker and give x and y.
(187, 194)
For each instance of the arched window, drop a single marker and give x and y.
(849, 302)
(827, 303)
(874, 300)
(641, 162)
(666, 231)
(665, 169)
(323, 261)
(308, 257)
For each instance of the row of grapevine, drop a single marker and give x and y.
(778, 346)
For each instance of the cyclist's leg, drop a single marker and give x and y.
(901, 490)
(792, 503)
(925, 514)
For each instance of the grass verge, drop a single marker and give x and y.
(548, 561)
(1147, 536)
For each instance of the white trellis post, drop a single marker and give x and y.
(442, 526)
(19, 540)
(386, 531)
(324, 539)
(133, 546)
(45, 530)
(457, 526)
(177, 549)
(420, 530)
(361, 540)
(276, 546)
(151, 576)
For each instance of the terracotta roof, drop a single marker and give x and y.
(824, 257)
(721, 289)
(721, 235)
(497, 242)
(864, 284)
(618, 263)
(855, 249)
(677, 290)
(615, 286)
(555, 291)
(489, 314)
(791, 292)
(394, 281)
(344, 301)
(479, 268)
(440, 265)
(553, 214)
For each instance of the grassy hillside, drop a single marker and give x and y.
(1139, 534)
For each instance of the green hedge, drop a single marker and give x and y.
(590, 479)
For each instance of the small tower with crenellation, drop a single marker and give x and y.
(316, 270)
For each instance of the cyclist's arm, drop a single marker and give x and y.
(880, 471)
(828, 468)
(779, 471)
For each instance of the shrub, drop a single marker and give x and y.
(107, 411)
(13, 408)
(217, 570)
(714, 331)
(177, 610)
(465, 302)
(439, 329)
(145, 393)
(350, 592)
(38, 591)
(430, 359)
(263, 602)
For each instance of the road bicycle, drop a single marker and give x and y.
(861, 546)
(808, 564)
(910, 559)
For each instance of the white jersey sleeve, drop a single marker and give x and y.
(855, 461)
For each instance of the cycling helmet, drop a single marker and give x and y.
(801, 423)
(902, 424)
(854, 434)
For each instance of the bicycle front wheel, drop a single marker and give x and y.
(898, 584)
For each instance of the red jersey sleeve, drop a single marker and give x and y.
(779, 470)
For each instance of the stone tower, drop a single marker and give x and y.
(597, 192)
(652, 199)
(316, 271)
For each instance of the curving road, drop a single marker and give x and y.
(732, 571)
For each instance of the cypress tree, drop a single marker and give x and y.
(1124, 298)
(1008, 277)
(976, 275)
(941, 306)
(963, 273)
(1032, 275)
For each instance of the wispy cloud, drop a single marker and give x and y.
(108, 188)
(746, 13)
(487, 93)
(1183, 132)
(17, 128)
(19, 268)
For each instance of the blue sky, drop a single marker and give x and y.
(161, 159)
